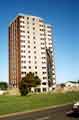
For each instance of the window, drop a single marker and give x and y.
(44, 78)
(35, 52)
(23, 56)
(33, 33)
(28, 46)
(22, 36)
(27, 22)
(33, 19)
(49, 31)
(41, 34)
(49, 34)
(23, 72)
(22, 26)
(28, 36)
(22, 41)
(29, 56)
(22, 31)
(41, 25)
(23, 46)
(33, 28)
(34, 42)
(35, 62)
(41, 29)
(21, 17)
(35, 57)
(21, 21)
(43, 67)
(44, 89)
(53, 74)
(27, 31)
(50, 48)
(40, 20)
(29, 67)
(23, 51)
(43, 57)
(44, 83)
(42, 38)
(33, 23)
(49, 27)
(50, 43)
(35, 72)
(29, 61)
(35, 67)
(23, 61)
(44, 72)
(49, 39)
(28, 41)
(34, 46)
(43, 62)
(42, 47)
(29, 51)
(42, 52)
(27, 18)
(42, 43)
(28, 27)
(24, 67)
(33, 37)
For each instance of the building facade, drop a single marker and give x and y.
(31, 50)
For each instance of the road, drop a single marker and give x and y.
(58, 113)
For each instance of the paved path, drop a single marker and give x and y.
(58, 113)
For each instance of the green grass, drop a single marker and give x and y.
(11, 104)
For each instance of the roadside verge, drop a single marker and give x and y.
(35, 110)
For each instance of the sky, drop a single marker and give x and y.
(64, 15)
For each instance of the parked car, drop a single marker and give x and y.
(76, 107)
(74, 111)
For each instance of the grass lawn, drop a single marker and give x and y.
(10, 104)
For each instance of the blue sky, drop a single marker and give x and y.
(64, 15)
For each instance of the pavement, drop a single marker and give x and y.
(56, 113)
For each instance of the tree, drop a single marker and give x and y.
(36, 81)
(62, 85)
(23, 88)
(27, 82)
(3, 85)
(78, 81)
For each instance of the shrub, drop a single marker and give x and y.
(3, 85)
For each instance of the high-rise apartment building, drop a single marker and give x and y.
(31, 50)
